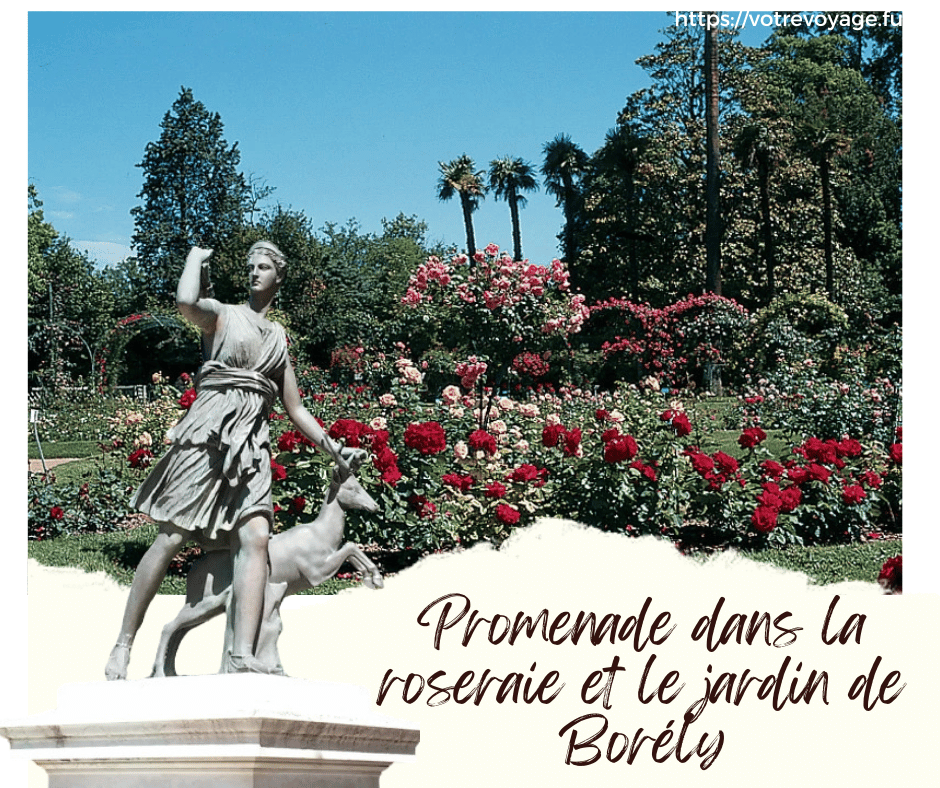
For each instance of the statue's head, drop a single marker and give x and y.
(276, 255)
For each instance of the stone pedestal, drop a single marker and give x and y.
(213, 731)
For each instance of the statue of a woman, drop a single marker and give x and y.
(214, 482)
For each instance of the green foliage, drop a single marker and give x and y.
(78, 414)
(795, 327)
(563, 167)
(70, 304)
(193, 194)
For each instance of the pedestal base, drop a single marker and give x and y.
(212, 731)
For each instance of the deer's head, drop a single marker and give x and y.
(347, 490)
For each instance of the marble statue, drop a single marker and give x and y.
(214, 482)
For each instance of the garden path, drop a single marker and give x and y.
(35, 466)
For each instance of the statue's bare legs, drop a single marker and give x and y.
(147, 579)
(249, 580)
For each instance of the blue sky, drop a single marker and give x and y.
(346, 114)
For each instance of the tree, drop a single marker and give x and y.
(611, 226)
(712, 166)
(460, 177)
(509, 176)
(837, 123)
(755, 149)
(563, 167)
(70, 305)
(193, 193)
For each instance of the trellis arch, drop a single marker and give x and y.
(60, 333)
(111, 359)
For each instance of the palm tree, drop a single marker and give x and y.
(713, 229)
(460, 176)
(614, 177)
(508, 177)
(754, 148)
(563, 167)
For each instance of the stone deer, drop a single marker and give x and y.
(300, 558)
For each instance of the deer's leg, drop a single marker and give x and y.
(371, 576)
(172, 635)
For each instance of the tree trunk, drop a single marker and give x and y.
(468, 224)
(827, 227)
(516, 232)
(569, 211)
(712, 194)
(763, 172)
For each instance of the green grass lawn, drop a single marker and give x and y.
(117, 554)
(833, 563)
(53, 450)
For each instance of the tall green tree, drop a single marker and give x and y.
(713, 229)
(509, 177)
(70, 305)
(193, 193)
(755, 149)
(564, 165)
(839, 125)
(611, 229)
(460, 177)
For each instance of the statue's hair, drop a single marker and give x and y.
(276, 255)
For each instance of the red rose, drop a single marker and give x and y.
(894, 452)
(427, 438)
(725, 462)
(187, 399)
(818, 473)
(551, 434)
(462, 483)
(350, 431)
(425, 509)
(528, 473)
(870, 479)
(849, 448)
(56, 513)
(278, 472)
(140, 458)
(853, 494)
(764, 519)
(386, 462)
(890, 575)
(790, 498)
(481, 440)
(506, 514)
(495, 490)
(798, 475)
(619, 449)
(681, 424)
(751, 437)
(772, 469)
(572, 442)
(287, 441)
(391, 476)
(702, 463)
(297, 505)
(770, 497)
(646, 470)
